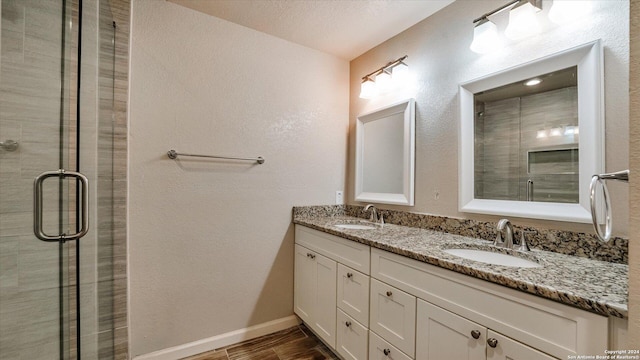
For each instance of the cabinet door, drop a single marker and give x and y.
(353, 294)
(393, 316)
(352, 340)
(441, 334)
(324, 304)
(501, 347)
(304, 284)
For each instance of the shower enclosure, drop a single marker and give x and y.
(57, 112)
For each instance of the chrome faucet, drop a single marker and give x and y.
(508, 236)
(375, 216)
(505, 225)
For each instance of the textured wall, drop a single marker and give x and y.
(439, 56)
(211, 243)
(634, 201)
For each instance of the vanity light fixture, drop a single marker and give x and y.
(485, 37)
(386, 77)
(368, 88)
(523, 21)
(400, 72)
(383, 81)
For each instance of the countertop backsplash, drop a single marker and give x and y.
(559, 241)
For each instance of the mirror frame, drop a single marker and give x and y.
(407, 108)
(589, 60)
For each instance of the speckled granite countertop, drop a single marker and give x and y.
(596, 286)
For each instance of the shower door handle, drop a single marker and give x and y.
(529, 190)
(38, 227)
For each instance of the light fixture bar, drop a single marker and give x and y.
(503, 7)
(388, 66)
(536, 3)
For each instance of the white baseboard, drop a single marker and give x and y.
(222, 340)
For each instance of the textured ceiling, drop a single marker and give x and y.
(344, 28)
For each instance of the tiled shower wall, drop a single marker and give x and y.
(114, 332)
(508, 131)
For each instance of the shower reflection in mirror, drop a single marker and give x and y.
(526, 140)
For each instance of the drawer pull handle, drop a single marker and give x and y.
(475, 334)
(312, 256)
(386, 352)
(389, 293)
(492, 342)
(348, 323)
(349, 275)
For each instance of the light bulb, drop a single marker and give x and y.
(555, 132)
(563, 11)
(368, 89)
(400, 73)
(485, 37)
(571, 130)
(383, 81)
(541, 134)
(533, 82)
(522, 21)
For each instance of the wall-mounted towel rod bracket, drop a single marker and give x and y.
(599, 179)
(172, 154)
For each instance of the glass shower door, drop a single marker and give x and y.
(37, 119)
(42, 283)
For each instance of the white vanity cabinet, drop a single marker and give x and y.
(315, 292)
(367, 303)
(331, 290)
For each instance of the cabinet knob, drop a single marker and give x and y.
(389, 293)
(348, 323)
(386, 352)
(475, 334)
(492, 342)
(312, 256)
(349, 275)
(308, 255)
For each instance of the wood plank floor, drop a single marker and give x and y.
(296, 343)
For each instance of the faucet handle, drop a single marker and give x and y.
(499, 241)
(523, 243)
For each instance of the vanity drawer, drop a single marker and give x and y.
(350, 253)
(553, 328)
(379, 349)
(353, 293)
(352, 340)
(393, 316)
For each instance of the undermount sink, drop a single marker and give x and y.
(494, 258)
(355, 226)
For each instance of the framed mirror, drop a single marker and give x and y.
(385, 155)
(531, 137)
